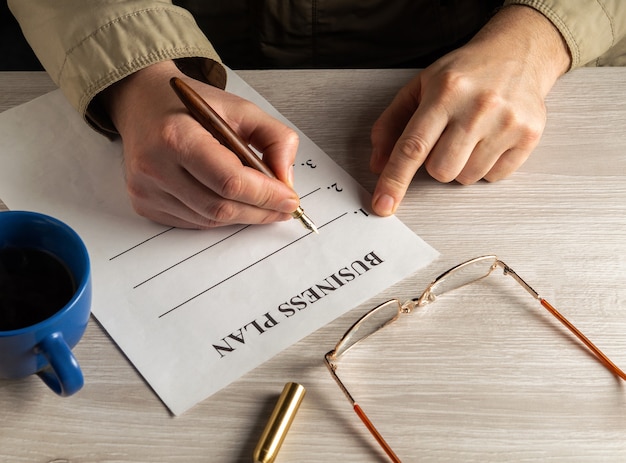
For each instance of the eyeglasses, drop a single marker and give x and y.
(463, 274)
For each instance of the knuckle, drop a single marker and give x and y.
(220, 212)
(441, 172)
(378, 129)
(209, 223)
(223, 210)
(139, 209)
(451, 80)
(497, 175)
(528, 130)
(530, 134)
(231, 186)
(291, 138)
(488, 101)
(466, 179)
(511, 120)
(412, 147)
(143, 207)
(139, 168)
(136, 174)
(386, 130)
(135, 191)
(268, 196)
(452, 85)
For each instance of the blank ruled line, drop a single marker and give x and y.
(333, 220)
(191, 256)
(172, 228)
(248, 267)
(309, 194)
(143, 242)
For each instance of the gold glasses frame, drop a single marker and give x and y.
(463, 274)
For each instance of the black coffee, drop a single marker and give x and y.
(34, 285)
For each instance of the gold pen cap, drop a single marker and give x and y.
(279, 423)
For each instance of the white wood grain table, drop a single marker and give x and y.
(482, 374)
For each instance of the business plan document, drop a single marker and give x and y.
(195, 310)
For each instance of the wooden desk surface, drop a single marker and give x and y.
(483, 374)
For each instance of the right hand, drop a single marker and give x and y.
(178, 174)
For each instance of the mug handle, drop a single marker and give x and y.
(62, 374)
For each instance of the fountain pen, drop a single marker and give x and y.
(213, 123)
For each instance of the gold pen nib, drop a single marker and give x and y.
(304, 220)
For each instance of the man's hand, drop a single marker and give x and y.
(476, 113)
(178, 174)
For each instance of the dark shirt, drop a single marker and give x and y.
(15, 53)
(337, 33)
(262, 34)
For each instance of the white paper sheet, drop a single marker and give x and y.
(195, 310)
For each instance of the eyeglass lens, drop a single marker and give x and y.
(462, 275)
(370, 323)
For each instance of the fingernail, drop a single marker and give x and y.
(384, 205)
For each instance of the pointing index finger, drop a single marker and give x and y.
(409, 152)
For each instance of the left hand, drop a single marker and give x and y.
(476, 113)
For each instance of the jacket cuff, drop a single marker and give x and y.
(130, 43)
(585, 26)
(205, 70)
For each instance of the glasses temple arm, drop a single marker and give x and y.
(372, 429)
(359, 411)
(590, 345)
(546, 305)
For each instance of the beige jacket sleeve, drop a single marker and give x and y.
(594, 30)
(86, 45)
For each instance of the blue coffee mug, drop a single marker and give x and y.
(45, 347)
